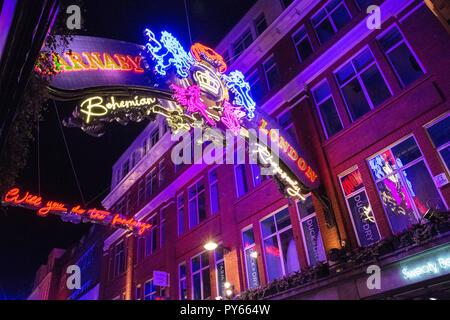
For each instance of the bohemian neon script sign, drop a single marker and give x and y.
(75, 213)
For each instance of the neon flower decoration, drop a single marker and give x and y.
(190, 98)
(232, 116)
(200, 51)
(167, 52)
(236, 83)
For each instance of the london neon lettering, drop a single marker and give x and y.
(34, 202)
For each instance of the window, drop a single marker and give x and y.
(201, 281)
(220, 270)
(362, 85)
(180, 214)
(260, 24)
(279, 245)
(440, 135)
(162, 173)
(154, 137)
(330, 19)
(162, 229)
(119, 259)
(151, 238)
(287, 123)
(311, 232)
(135, 157)
(302, 44)
(165, 126)
(404, 184)
(256, 86)
(121, 206)
(258, 178)
(149, 290)
(197, 208)
(145, 147)
(327, 110)
(271, 72)
(242, 43)
(251, 255)
(138, 292)
(400, 56)
(363, 4)
(141, 193)
(359, 207)
(241, 181)
(214, 191)
(150, 184)
(183, 281)
(125, 168)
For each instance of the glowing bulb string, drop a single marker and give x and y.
(68, 153)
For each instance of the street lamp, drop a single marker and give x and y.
(210, 245)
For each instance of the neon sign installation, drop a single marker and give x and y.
(76, 213)
(428, 268)
(200, 52)
(167, 52)
(237, 84)
(91, 61)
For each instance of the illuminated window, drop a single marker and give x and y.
(256, 86)
(359, 207)
(242, 43)
(400, 56)
(260, 24)
(220, 271)
(330, 19)
(311, 232)
(214, 191)
(182, 280)
(149, 290)
(327, 110)
(197, 208)
(250, 254)
(279, 246)
(287, 123)
(404, 184)
(180, 214)
(151, 237)
(119, 259)
(241, 181)
(440, 135)
(362, 85)
(154, 137)
(302, 44)
(201, 281)
(272, 73)
(150, 184)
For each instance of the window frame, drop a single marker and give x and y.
(357, 75)
(274, 65)
(320, 113)
(210, 185)
(385, 53)
(150, 234)
(153, 176)
(257, 21)
(182, 206)
(180, 279)
(119, 258)
(196, 198)
(236, 180)
(445, 145)
(248, 29)
(200, 271)
(216, 262)
(306, 36)
(152, 293)
(244, 248)
(328, 15)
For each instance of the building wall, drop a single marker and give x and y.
(406, 112)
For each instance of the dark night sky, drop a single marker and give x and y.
(25, 238)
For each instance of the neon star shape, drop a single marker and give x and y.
(190, 98)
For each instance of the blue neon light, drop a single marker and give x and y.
(236, 83)
(167, 52)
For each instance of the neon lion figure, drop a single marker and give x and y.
(236, 83)
(172, 53)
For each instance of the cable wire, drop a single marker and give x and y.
(68, 153)
(187, 19)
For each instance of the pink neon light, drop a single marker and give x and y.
(392, 187)
(232, 117)
(190, 98)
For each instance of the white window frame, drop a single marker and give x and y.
(182, 279)
(152, 176)
(149, 233)
(274, 65)
(196, 199)
(395, 25)
(153, 293)
(328, 16)
(346, 197)
(323, 100)
(303, 38)
(445, 145)
(357, 75)
(200, 271)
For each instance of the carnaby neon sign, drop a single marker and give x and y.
(74, 214)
